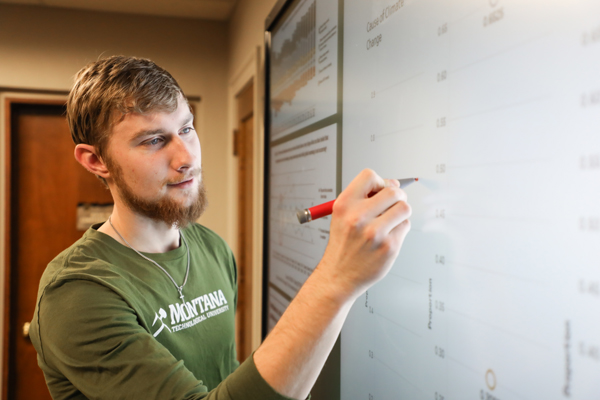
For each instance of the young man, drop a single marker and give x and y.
(142, 306)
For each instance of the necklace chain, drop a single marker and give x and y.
(187, 271)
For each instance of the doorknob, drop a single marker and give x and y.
(26, 330)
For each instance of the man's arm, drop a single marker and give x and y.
(365, 238)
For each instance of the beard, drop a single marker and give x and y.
(163, 209)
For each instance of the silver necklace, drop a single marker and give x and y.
(187, 271)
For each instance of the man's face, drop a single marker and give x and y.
(154, 161)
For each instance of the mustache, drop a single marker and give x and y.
(193, 173)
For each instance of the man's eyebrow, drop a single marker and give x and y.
(188, 119)
(150, 132)
(145, 132)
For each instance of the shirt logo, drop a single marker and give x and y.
(185, 315)
(159, 316)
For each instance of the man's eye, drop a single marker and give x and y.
(187, 130)
(153, 142)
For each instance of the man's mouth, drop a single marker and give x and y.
(187, 180)
(182, 184)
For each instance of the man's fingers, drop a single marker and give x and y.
(386, 198)
(399, 233)
(392, 183)
(392, 217)
(365, 183)
(379, 194)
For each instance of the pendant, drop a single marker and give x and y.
(181, 294)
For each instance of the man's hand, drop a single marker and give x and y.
(366, 233)
(365, 237)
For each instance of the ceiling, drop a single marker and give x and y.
(218, 10)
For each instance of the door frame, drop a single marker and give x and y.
(249, 72)
(7, 99)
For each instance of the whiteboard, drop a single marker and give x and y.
(495, 106)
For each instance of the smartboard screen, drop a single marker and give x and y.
(495, 106)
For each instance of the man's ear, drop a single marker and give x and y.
(87, 155)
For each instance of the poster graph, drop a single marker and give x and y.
(304, 63)
(303, 174)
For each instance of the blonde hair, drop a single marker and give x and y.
(108, 89)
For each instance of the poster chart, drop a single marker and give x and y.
(303, 174)
(304, 65)
(495, 106)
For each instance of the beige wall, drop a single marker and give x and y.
(246, 49)
(246, 31)
(42, 48)
(246, 64)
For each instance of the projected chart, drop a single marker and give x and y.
(303, 174)
(495, 106)
(304, 67)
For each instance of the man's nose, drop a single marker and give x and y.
(183, 157)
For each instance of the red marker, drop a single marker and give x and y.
(325, 209)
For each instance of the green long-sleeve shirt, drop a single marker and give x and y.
(110, 325)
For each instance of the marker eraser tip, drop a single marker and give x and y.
(303, 216)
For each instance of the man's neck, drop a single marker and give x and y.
(142, 233)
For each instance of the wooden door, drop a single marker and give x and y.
(245, 149)
(46, 186)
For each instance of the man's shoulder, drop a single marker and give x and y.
(205, 236)
(209, 246)
(80, 260)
